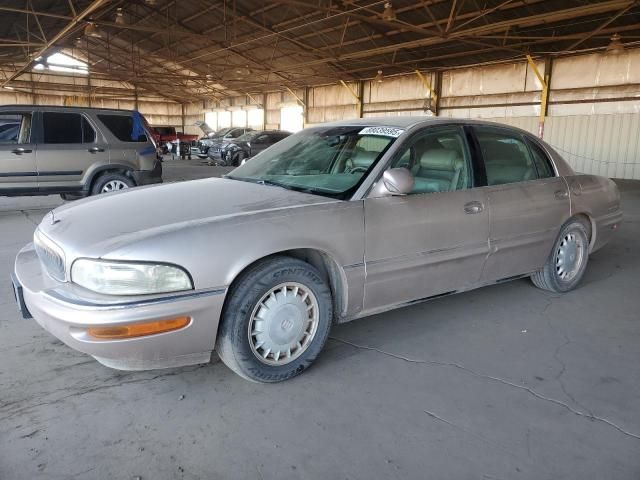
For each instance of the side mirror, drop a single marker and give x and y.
(395, 181)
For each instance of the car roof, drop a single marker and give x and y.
(407, 122)
(63, 107)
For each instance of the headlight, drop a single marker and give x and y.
(129, 278)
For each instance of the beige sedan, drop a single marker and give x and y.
(334, 223)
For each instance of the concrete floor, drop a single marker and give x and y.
(505, 382)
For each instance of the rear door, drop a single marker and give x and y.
(434, 240)
(69, 145)
(528, 202)
(18, 170)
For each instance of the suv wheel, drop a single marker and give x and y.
(111, 182)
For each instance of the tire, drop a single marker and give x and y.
(238, 158)
(298, 329)
(68, 197)
(570, 248)
(111, 182)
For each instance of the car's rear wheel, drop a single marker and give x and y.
(567, 263)
(111, 182)
(239, 159)
(275, 321)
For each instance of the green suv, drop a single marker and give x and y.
(74, 151)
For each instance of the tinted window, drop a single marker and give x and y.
(506, 156)
(15, 127)
(122, 127)
(326, 160)
(540, 159)
(62, 127)
(88, 133)
(439, 161)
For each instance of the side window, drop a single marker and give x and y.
(541, 160)
(15, 127)
(506, 156)
(62, 127)
(88, 133)
(262, 139)
(439, 161)
(124, 128)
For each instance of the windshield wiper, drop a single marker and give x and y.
(259, 181)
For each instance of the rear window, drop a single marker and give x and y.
(124, 128)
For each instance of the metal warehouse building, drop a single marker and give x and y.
(402, 294)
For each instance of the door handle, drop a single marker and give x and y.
(473, 207)
(561, 194)
(20, 150)
(95, 150)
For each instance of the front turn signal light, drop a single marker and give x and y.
(138, 329)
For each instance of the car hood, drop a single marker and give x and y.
(98, 225)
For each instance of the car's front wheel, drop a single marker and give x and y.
(568, 260)
(275, 321)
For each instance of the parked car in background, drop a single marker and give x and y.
(211, 146)
(353, 218)
(166, 137)
(237, 151)
(74, 151)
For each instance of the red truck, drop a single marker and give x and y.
(165, 134)
(166, 137)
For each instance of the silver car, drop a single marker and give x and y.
(334, 223)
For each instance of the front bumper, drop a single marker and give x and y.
(148, 177)
(66, 311)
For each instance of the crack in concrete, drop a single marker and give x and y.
(28, 217)
(483, 439)
(494, 379)
(556, 356)
(86, 391)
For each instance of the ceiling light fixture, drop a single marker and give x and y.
(120, 16)
(389, 14)
(92, 31)
(379, 77)
(615, 47)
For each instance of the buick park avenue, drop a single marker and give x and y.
(334, 223)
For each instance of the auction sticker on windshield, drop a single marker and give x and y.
(382, 131)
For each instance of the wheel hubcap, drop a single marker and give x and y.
(283, 323)
(569, 256)
(114, 185)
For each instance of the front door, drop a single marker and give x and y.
(70, 145)
(434, 240)
(528, 202)
(18, 172)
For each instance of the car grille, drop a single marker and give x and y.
(50, 255)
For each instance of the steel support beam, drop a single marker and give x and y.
(59, 36)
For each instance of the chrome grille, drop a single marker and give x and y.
(50, 255)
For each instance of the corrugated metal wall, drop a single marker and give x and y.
(607, 144)
(593, 112)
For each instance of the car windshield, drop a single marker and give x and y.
(221, 133)
(329, 161)
(247, 137)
